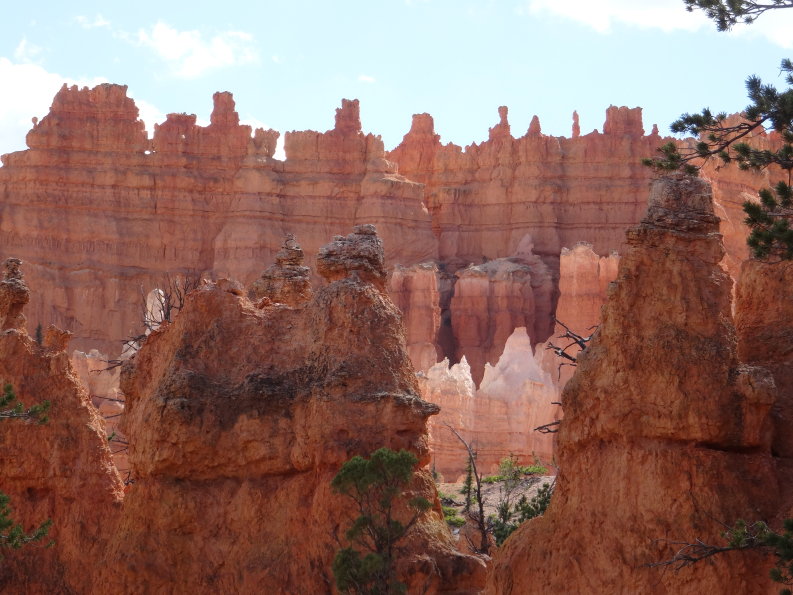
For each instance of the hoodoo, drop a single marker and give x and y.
(663, 425)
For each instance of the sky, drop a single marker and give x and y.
(290, 62)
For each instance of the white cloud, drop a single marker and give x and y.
(27, 52)
(92, 23)
(774, 26)
(34, 89)
(667, 15)
(189, 55)
(366, 79)
(149, 113)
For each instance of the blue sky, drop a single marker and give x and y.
(289, 63)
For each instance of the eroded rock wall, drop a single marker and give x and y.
(515, 396)
(484, 199)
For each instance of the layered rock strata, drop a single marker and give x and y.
(668, 418)
(99, 211)
(491, 300)
(484, 199)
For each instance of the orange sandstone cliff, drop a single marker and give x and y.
(663, 426)
(97, 210)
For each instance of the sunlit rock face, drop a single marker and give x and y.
(515, 396)
(662, 426)
(486, 197)
(98, 210)
(415, 291)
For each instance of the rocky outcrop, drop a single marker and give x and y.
(288, 280)
(764, 320)
(239, 415)
(14, 294)
(100, 378)
(100, 211)
(763, 316)
(661, 407)
(732, 187)
(485, 198)
(60, 470)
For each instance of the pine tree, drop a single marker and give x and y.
(769, 220)
(376, 485)
(468, 485)
(12, 534)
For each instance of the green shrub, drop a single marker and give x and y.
(367, 565)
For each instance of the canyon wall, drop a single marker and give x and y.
(475, 238)
(97, 209)
(497, 418)
(670, 421)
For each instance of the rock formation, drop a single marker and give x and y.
(484, 199)
(514, 397)
(662, 426)
(100, 379)
(288, 280)
(763, 320)
(98, 211)
(240, 414)
(416, 292)
(61, 470)
(584, 279)
(493, 299)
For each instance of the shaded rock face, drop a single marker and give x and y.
(492, 299)
(416, 292)
(671, 421)
(764, 320)
(61, 470)
(240, 414)
(14, 294)
(101, 382)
